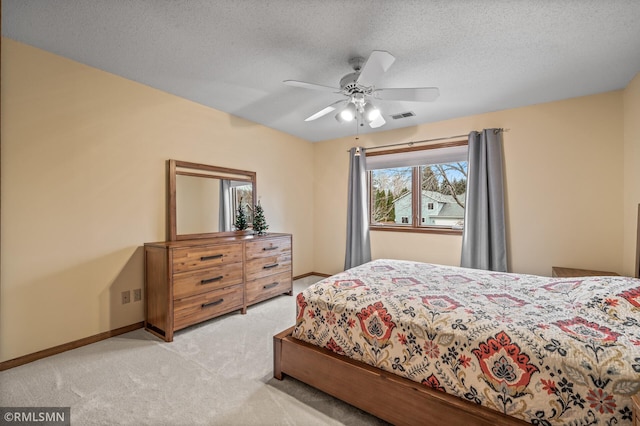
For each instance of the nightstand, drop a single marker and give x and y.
(635, 402)
(560, 272)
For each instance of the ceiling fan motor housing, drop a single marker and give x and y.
(348, 83)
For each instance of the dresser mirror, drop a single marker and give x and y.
(204, 199)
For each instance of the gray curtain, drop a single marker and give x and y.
(484, 243)
(358, 245)
(225, 214)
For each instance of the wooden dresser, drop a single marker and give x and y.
(635, 401)
(190, 281)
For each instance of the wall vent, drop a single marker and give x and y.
(403, 115)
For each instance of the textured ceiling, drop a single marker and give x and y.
(232, 55)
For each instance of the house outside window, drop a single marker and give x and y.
(418, 189)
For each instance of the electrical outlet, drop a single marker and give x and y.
(126, 297)
(137, 295)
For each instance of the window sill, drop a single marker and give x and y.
(421, 230)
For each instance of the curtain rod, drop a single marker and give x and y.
(427, 140)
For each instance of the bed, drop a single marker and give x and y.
(417, 343)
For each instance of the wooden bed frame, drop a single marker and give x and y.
(392, 398)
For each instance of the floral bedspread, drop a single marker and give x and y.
(551, 351)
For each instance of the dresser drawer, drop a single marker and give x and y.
(190, 258)
(264, 288)
(194, 309)
(268, 247)
(265, 266)
(204, 280)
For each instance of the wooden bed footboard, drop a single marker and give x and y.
(392, 398)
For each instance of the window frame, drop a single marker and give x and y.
(416, 202)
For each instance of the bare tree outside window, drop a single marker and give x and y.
(387, 186)
(449, 179)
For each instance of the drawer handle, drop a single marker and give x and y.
(269, 248)
(210, 280)
(217, 302)
(215, 256)
(266, 286)
(272, 265)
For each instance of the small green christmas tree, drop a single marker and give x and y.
(241, 218)
(259, 223)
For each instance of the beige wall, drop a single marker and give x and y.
(563, 171)
(631, 99)
(83, 187)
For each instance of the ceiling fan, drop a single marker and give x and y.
(360, 91)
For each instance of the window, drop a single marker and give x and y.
(242, 195)
(418, 189)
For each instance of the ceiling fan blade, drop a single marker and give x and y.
(325, 111)
(378, 63)
(413, 94)
(312, 86)
(378, 122)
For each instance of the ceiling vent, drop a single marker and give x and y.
(403, 115)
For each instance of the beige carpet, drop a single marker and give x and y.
(216, 373)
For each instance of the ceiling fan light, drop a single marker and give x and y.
(371, 113)
(349, 113)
